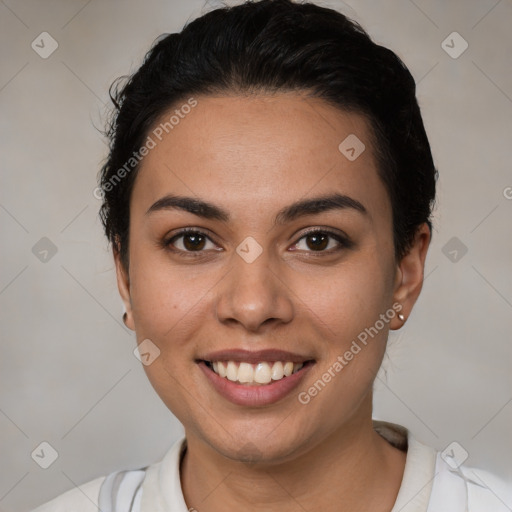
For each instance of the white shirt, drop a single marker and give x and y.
(431, 483)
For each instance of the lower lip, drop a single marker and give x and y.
(254, 396)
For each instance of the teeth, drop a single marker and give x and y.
(261, 373)
(277, 371)
(232, 371)
(221, 369)
(245, 373)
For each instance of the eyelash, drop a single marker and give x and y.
(344, 242)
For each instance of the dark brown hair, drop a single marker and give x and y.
(272, 46)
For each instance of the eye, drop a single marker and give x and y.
(322, 241)
(190, 240)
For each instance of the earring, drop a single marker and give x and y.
(125, 316)
(401, 317)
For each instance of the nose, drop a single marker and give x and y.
(253, 295)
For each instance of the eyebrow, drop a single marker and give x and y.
(292, 212)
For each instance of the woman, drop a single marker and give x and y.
(268, 194)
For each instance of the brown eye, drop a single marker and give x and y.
(322, 241)
(190, 241)
(193, 242)
(317, 241)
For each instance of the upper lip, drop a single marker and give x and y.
(254, 356)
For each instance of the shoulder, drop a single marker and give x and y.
(119, 491)
(130, 490)
(438, 481)
(474, 488)
(83, 498)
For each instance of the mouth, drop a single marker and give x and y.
(259, 374)
(254, 378)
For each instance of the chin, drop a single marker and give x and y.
(253, 447)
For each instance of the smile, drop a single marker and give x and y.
(254, 378)
(253, 374)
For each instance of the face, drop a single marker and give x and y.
(288, 258)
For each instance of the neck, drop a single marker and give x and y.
(353, 469)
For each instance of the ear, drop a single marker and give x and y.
(409, 275)
(123, 285)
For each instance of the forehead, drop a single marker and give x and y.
(245, 151)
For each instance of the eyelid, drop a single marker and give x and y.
(187, 230)
(167, 242)
(342, 238)
(344, 242)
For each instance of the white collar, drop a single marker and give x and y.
(161, 490)
(419, 472)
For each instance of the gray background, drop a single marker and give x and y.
(68, 374)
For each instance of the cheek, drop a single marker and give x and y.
(164, 295)
(347, 298)
(169, 306)
(346, 309)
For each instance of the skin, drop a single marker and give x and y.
(252, 156)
